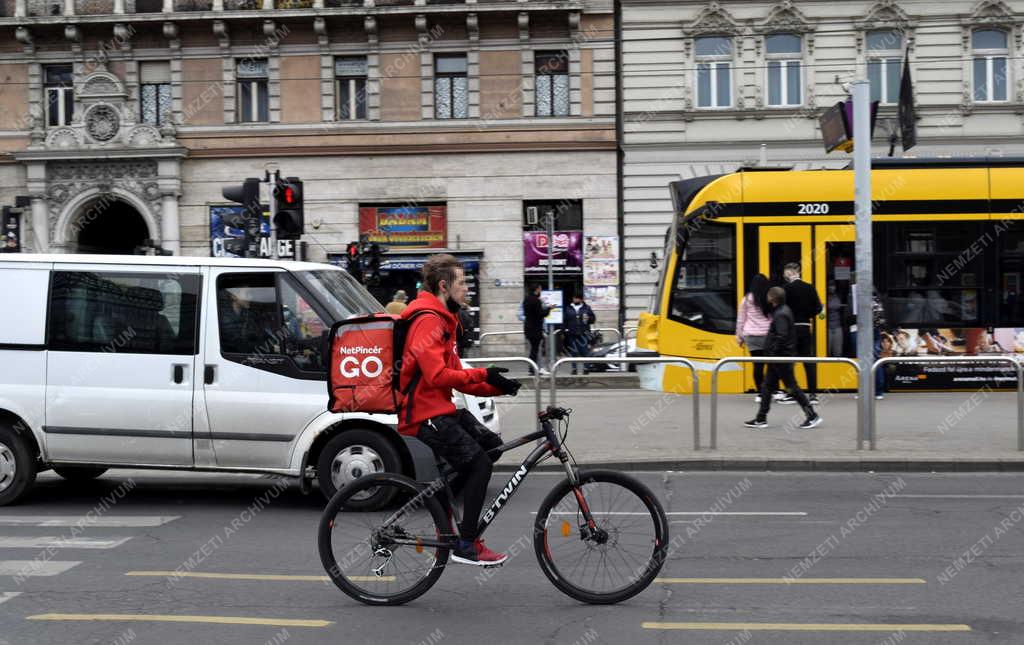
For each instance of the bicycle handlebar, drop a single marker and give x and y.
(556, 413)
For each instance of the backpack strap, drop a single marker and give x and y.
(415, 380)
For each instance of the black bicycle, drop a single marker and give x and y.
(600, 536)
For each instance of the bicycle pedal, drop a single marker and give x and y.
(496, 565)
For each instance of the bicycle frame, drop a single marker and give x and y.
(552, 445)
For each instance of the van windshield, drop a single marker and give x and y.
(340, 293)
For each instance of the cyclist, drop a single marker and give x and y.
(430, 371)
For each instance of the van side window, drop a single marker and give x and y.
(131, 313)
(248, 316)
(266, 316)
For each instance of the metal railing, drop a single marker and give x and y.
(488, 334)
(870, 430)
(553, 395)
(516, 359)
(767, 359)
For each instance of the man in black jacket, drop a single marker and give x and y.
(803, 299)
(781, 341)
(534, 312)
(576, 322)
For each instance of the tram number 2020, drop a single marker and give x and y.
(820, 208)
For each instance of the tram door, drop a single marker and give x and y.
(825, 253)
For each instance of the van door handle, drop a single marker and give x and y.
(179, 373)
(209, 374)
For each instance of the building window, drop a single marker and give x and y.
(551, 81)
(155, 92)
(714, 71)
(350, 87)
(885, 55)
(253, 99)
(451, 86)
(60, 95)
(990, 49)
(783, 52)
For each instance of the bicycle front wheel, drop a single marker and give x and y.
(383, 556)
(615, 558)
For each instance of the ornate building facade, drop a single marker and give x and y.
(709, 87)
(122, 120)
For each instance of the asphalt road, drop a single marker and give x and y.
(788, 559)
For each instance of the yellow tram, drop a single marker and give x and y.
(948, 257)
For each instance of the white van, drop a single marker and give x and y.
(207, 364)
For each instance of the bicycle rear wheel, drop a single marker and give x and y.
(378, 556)
(617, 557)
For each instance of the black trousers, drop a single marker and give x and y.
(805, 347)
(535, 349)
(781, 372)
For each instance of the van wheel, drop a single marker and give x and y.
(79, 473)
(349, 456)
(17, 467)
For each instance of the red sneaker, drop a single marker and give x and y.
(477, 554)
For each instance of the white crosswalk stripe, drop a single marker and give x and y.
(34, 568)
(43, 542)
(7, 595)
(103, 521)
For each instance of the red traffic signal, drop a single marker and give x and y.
(289, 213)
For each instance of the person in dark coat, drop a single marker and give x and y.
(576, 322)
(802, 299)
(534, 312)
(781, 341)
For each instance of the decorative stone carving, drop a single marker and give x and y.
(63, 137)
(67, 179)
(785, 17)
(885, 13)
(101, 85)
(143, 136)
(713, 19)
(102, 122)
(992, 12)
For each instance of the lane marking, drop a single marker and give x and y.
(35, 568)
(694, 513)
(961, 496)
(164, 618)
(11, 542)
(254, 576)
(118, 521)
(793, 581)
(811, 627)
(7, 595)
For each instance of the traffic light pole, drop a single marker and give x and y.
(551, 283)
(863, 254)
(272, 200)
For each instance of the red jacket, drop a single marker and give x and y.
(430, 356)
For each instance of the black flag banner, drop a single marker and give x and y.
(908, 127)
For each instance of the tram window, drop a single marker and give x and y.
(1011, 268)
(704, 287)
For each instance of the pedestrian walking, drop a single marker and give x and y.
(802, 299)
(752, 323)
(781, 340)
(398, 303)
(534, 312)
(576, 329)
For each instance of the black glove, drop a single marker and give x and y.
(507, 386)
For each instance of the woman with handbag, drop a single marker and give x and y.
(752, 322)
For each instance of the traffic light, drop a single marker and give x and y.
(288, 209)
(248, 195)
(354, 264)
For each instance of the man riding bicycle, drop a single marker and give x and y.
(430, 371)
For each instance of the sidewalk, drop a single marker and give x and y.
(633, 428)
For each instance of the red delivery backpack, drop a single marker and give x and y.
(365, 363)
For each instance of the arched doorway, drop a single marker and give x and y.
(110, 226)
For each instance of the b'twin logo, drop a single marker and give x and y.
(503, 496)
(367, 367)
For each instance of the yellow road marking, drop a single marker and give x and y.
(793, 581)
(163, 618)
(810, 627)
(254, 576)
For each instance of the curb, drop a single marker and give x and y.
(785, 464)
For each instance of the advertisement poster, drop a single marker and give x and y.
(11, 240)
(599, 297)
(552, 299)
(568, 255)
(601, 247)
(963, 341)
(601, 272)
(227, 231)
(405, 226)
